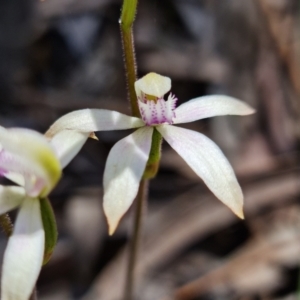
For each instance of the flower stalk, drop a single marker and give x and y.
(135, 241)
(126, 22)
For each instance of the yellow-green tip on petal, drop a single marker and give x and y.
(240, 214)
(112, 226)
(153, 84)
(27, 152)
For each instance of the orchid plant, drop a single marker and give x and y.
(34, 163)
(128, 158)
(35, 166)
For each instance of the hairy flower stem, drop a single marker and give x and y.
(141, 201)
(6, 224)
(126, 22)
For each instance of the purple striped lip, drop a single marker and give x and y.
(158, 111)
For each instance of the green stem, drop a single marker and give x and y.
(126, 22)
(154, 156)
(135, 240)
(128, 13)
(6, 224)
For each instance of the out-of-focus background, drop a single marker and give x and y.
(60, 55)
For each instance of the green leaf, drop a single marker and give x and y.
(50, 228)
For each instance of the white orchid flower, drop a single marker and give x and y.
(27, 159)
(128, 157)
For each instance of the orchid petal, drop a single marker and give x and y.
(152, 84)
(15, 177)
(208, 162)
(28, 153)
(24, 253)
(67, 144)
(123, 171)
(10, 197)
(210, 106)
(89, 120)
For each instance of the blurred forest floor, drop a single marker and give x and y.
(60, 55)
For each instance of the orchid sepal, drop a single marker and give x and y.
(24, 253)
(207, 160)
(67, 143)
(152, 84)
(210, 106)
(91, 120)
(123, 172)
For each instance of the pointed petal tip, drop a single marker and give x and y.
(93, 136)
(112, 227)
(250, 110)
(240, 214)
(111, 231)
(238, 207)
